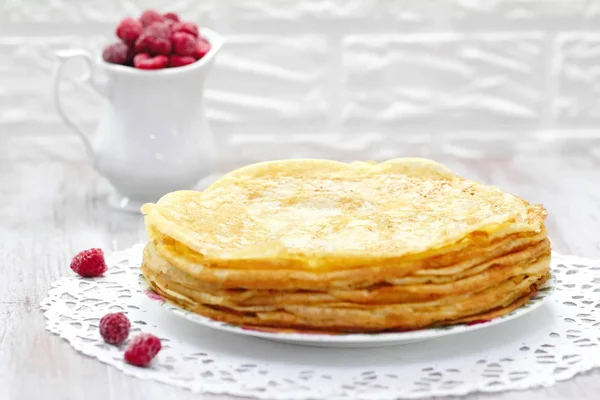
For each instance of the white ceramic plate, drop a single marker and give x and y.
(350, 339)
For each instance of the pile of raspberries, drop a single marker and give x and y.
(156, 41)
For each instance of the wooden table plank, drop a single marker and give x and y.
(54, 205)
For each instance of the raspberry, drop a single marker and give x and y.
(155, 39)
(149, 17)
(187, 27)
(159, 30)
(114, 328)
(171, 16)
(146, 61)
(180, 61)
(129, 30)
(142, 349)
(89, 263)
(183, 44)
(152, 45)
(117, 53)
(202, 47)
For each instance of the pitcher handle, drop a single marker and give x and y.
(63, 57)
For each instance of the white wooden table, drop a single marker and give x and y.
(53, 205)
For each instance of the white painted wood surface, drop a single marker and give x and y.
(54, 205)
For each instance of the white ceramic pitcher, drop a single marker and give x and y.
(153, 137)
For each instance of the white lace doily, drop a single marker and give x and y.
(553, 343)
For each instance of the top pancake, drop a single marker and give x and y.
(319, 214)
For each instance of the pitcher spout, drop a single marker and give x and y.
(216, 42)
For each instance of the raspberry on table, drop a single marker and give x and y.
(171, 16)
(183, 44)
(114, 328)
(117, 53)
(129, 30)
(180, 61)
(187, 27)
(146, 61)
(202, 47)
(149, 17)
(89, 263)
(142, 349)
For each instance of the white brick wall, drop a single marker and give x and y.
(345, 78)
(441, 79)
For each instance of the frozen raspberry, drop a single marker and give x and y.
(129, 30)
(202, 47)
(114, 328)
(152, 45)
(142, 349)
(187, 27)
(159, 29)
(155, 39)
(117, 53)
(149, 17)
(89, 263)
(180, 61)
(146, 61)
(169, 22)
(171, 16)
(183, 44)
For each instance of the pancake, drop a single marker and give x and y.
(386, 294)
(310, 214)
(283, 278)
(344, 317)
(317, 245)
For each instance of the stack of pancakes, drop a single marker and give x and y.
(316, 245)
